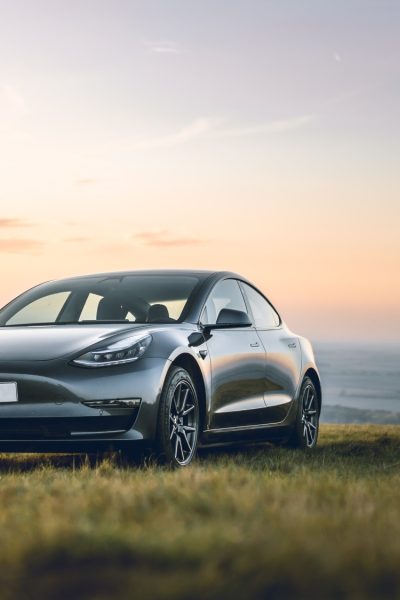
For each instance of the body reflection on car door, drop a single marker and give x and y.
(283, 356)
(237, 360)
(238, 375)
(283, 366)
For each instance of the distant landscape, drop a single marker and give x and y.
(361, 384)
(344, 414)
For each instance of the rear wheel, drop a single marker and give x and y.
(178, 421)
(305, 434)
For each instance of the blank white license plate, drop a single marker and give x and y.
(8, 392)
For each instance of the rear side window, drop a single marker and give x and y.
(265, 317)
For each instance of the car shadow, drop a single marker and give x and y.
(380, 447)
(26, 462)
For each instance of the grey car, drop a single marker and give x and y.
(162, 360)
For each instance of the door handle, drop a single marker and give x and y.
(292, 345)
(255, 345)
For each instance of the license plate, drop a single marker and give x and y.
(8, 392)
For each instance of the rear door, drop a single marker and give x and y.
(283, 355)
(237, 361)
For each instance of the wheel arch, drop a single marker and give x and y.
(187, 362)
(313, 375)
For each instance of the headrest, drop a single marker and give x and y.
(110, 309)
(157, 312)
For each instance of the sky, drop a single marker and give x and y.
(255, 136)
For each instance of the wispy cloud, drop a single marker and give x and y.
(337, 57)
(163, 47)
(76, 240)
(164, 239)
(87, 181)
(216, 128)
(194, 130)
(277, 126)
(9, 223)
(19, 246)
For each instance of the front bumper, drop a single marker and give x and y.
(63, 408)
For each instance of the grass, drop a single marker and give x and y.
(257, 522)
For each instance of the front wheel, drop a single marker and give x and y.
(178, 420)
(305, 433)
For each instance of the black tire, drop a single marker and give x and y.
(305, 432)
(178, 420)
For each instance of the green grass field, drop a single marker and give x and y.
(257, 522)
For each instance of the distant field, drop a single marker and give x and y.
(345, 414)
(263, 522)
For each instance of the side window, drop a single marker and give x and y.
(265, 317)
(226, 294)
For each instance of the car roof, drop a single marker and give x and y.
(202, 273)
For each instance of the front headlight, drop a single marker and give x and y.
(124, 351)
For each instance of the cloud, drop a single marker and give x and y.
(163, 47)
(85, 181)
(215, 129)
(164, 239)
(337, 57)
(7, 223)
(76, 240)
(277, 126)
(19, 246)
(194, 130)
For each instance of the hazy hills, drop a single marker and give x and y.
(345, 414)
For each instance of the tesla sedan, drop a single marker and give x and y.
(166, 360)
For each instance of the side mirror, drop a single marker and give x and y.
(229, 319)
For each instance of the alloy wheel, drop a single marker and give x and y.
(183, 422)
(309, 417)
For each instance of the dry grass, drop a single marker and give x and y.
(251, 523)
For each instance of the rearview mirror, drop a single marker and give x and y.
(229, 319)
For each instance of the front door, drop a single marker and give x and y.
(237, 360)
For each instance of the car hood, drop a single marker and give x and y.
(47, 342)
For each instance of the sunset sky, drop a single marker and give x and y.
(256, 136)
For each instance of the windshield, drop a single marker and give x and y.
(127, 298)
